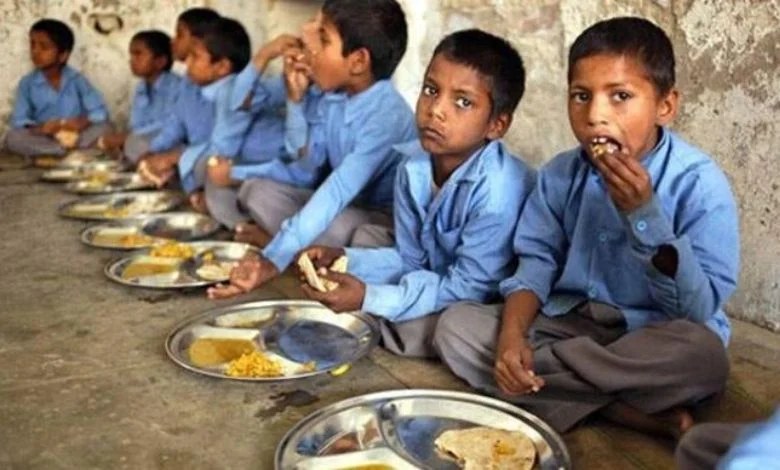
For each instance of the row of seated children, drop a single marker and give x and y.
(613, 262)
(620, 248)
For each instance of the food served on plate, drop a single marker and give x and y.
(484, 448)
(122, 237)
(47, 161)
(68, 139)
(239, 353)
(145, 266)
(263, 364)
(313, 276)
(216, 270)
(249, 319)
(106, 209)
(173, 250)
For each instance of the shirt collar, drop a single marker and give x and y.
(419, 161)
(67, 74)
(210, 91)
(162, 81)
(360, 104)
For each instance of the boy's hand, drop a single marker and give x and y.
(347, 297)
(628, 182)
(48, 128)
(76, 124)
(515, 363)
(114, 141)
(273, 49)
(296, 75)
(251, 272)
(321, 256)
(158, 168)
(219, 170)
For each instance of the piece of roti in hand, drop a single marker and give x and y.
(484, 448)
(307, 268)
(313, 276)
(68, 139)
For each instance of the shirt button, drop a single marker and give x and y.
(592, 292)
(641, 226)
(603, 237)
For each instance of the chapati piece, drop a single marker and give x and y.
(312, 275)
(483, 448)
(307, 268)
(68, 139)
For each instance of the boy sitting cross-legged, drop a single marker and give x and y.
(342, 129)
(458, 194)
(628, 248)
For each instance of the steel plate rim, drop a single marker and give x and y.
(348, 403)
(107, 270)
(71, 187)
(366, 318)
(177, 200)
(138, 219)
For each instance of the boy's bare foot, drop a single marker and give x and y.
(672, 423)
(198, 202)
(250, 233)
(677, 420)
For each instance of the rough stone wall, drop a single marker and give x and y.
(728, 55)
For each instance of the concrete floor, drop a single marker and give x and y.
(86, 384)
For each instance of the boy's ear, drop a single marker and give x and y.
(63, 57)
(359, 61)
(160, 62)
(498, 126)
(667, 107)
(223, 67)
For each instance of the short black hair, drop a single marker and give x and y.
(632, 37)
(198, 19)
(157, 42)
(59, 33)
(377, 25)
(494, 59)
(226, 38)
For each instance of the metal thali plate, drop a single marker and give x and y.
(69, 174)
(178, 273)
(295, 332)
(121, 205)
(149, 230)
(84, 157)
(109, 183)
(397, 429)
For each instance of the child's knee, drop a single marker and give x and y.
(449, 332)
(251, 189)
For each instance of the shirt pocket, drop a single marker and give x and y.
(624, 274)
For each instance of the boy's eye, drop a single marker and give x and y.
(463, 103)
(621, 96)
(579, 97)
(428, 90)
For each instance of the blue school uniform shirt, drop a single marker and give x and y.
(153, 105)
(452, 246)
(266, 139)
(574, 245)
(349, 141)
(246, 136)
(757, 447)
(37, 101)
(190, 123)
